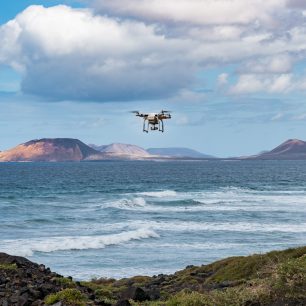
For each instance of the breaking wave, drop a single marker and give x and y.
(159, 194)
(251, 227)
(133, 203)
(27, 247)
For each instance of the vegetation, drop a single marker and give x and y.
(71, 297)
(261, 279)
(65, 282)
(8, 266)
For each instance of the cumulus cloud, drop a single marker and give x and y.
(203, 12)
(140, 49)
(66, 53)
(279, 63)
(251, 83)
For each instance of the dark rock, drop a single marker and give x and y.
(42, 268)
(5, 303)
(45, 289)
(135, 293)
(35, 293)
(8, 259)
(37, 303)
(102, 303)
(123, 303)
(23, 299)
(154, 294)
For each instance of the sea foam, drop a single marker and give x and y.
(27, 247)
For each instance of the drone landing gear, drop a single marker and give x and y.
(153, 127)
(161, 126)
(146, 130)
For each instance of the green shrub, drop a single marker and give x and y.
(65, 282)
(71, 297)
(189, 299)
(290, 279)
(104, 293)
(8, 266)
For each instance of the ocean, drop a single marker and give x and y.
(119, 219)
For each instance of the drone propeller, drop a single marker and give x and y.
(165, 112)
(134, 112)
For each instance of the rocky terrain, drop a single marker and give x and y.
(58, 149)
(275, 278)
(121, 150)
(292, 149)
(67, 149)
(178, 152)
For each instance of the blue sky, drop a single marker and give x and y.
(233, 74)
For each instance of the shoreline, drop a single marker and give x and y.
(274, 278)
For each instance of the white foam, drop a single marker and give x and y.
(26, 247)
(252, 227)
(133, 203)
(159, 194)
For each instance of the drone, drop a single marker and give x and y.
(155, 120)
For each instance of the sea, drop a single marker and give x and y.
(116, 219)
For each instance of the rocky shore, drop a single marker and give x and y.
(275, 278)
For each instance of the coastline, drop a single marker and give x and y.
(274, 278)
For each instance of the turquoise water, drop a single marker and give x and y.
(116, 219)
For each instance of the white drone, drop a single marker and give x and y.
(156, 121)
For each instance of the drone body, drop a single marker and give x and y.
(153, 121)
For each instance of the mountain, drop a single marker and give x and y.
(177, 152)
(58, 149)
(290, 149)
(120, 149)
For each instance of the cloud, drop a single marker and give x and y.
(202, 12)
(279, 63)
(144, 50)
(66, 53)
(296, 4)
(252, 83)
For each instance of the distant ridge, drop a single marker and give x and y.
(178, 152)
(120, 149)
(294, 149)
(46, 149)
(68, 149)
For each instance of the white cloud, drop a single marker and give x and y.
(252, 83)
(153, 49)
(202, 12)
(279, 63)
(67, 53)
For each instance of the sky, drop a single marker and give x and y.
(233, 72)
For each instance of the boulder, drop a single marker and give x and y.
(135, 293)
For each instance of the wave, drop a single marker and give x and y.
(133, 203)
(27, 247)
(246, 227)
(202, 205)
(159, 194)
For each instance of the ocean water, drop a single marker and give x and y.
(118, 219)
